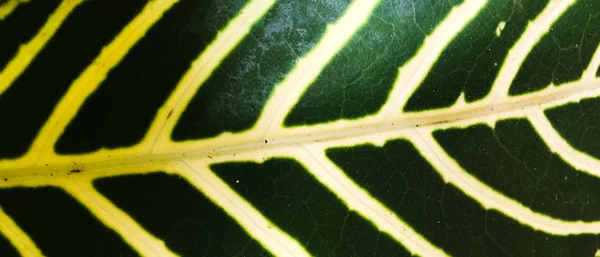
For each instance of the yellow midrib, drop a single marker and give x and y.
(445, 117)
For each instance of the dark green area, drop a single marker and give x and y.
(22, 25)
(473, 59)
(234, 95)
(174, 211)
(564, 52)
(598, 72)
(514, 160)
(150, 71)
(358, 79)
(28, 103)
(400, 178)
(59, 225)
(283, 191)
(579, 124)
(6, 248)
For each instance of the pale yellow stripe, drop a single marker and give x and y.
(488, 197)
(8, 7)
(28, 51)
(287, 93)
(590, 72)
(202, 68)
(413, 73)
(536, 29)
(131, 232)
(92, 77)
(17, 237)
(578, 159)
(251, 220)
(360, 201)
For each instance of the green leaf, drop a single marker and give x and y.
(299, 128)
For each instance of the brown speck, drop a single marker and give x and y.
(266, 141)
(46, 164)
(269, 227)
(169, 115)
(209, 157)
(51, 174)
(5, 179)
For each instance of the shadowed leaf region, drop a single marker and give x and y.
(60, 225)
(109, 118)
(579, 124)
(292, 199)
(6, 249)
(401, 179)
(513, 159)
(52, 71)
(22, 25)
(171, 209)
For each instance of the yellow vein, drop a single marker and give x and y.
(89, 80)
(8, 7)
(517, 54)
(202, 68)
(452, 173)
(226, 146)
(286, 94)
(268, 234)
(131, 232)
(308, 68)
(414, 72)
(28, 51)
(358, 200)
(590, 72)
(17, 237)
(551, 96)
(557, 144)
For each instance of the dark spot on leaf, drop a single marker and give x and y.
(209, 157)
(266, 141)
(76, 171)
(5, 179)
(169, 115)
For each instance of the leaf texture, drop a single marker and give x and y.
(299, 128)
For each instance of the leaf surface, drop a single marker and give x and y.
(289, 128)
